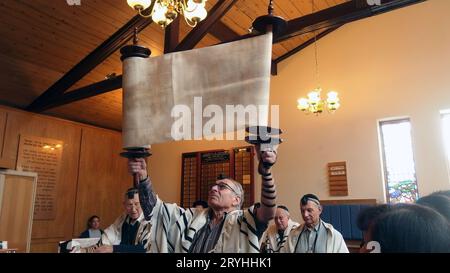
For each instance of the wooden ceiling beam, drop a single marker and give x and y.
(339, 15)
(170, 45)
(222, 32)
(84, 92)
(97, 56)
(335, 16)
(171, 35)
(329, 18)
(305, 44)
(195, 35)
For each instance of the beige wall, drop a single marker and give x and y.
(391, 65)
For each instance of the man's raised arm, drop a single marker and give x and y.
(147, 196)
(267, 156)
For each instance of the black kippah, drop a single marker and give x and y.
(222, 176)
(131, 192)
(283, 207)
(309, 197)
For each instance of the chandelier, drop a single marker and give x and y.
(314, 103)
(163, 12)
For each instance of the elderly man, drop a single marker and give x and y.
(275, 236)
(129, 233)
(314, 236)
(223, 227)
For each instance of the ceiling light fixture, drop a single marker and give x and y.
(314, 103)
(163, 12)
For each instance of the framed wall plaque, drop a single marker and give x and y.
(337, 178)
(43, 156)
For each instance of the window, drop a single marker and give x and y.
(445, 117)
(398, 161)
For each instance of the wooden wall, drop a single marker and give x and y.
(16, 208)
(92, 176)
(99, 190)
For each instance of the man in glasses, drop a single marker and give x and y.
(223, 227)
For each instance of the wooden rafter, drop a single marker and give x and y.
(305, 44)
(171, 34)
(193, 37)
(217, 12)
(339, 15)
(222, 32)
(84, 92)
(97, 56)
(297, 49)
(329, 18)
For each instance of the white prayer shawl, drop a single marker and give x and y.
(335, 241)
(113, 234)
(271, 240)
(174, 228)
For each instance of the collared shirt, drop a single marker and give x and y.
(312, 240)
(207, 237)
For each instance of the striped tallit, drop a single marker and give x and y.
(335, 242)
(271, 242)
(174, 228)
(113, 234)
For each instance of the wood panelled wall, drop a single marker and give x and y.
(92, 178)
(102, 179)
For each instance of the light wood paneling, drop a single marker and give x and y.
(42, 40)
(104, 110)
(92, 181)
(4, 162)
(36, 125)
(44, 245)
(16, 208)
(103, 178)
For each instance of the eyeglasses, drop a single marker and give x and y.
(223, 185)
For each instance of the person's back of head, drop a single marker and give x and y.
(438, 202)
(370, 214)
(411, 229)
(444, 193)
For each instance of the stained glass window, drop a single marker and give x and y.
(398, 161)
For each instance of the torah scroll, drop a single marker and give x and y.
(236, 73)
